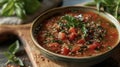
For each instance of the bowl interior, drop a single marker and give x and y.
(37, 23)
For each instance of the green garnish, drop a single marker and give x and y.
(10, 54)
(18, 7)
(71, 21)
(84, 29)
(74, 22)
(110, 6)
(70, 47)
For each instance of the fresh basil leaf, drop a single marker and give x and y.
(19, 62)
(110, 6)
(31, 6)
(8, 8)
(116, 11)
(2, 2)
(14, 47)
(20, 12)
(98, 4)
(23, 7)
(9, 55)
(10, 12)
(109, 2)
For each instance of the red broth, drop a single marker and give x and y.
(77, 33)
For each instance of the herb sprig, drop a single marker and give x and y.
(110, 6)
(18, 7)
(10, 54)
(75, 22)
(71, 21)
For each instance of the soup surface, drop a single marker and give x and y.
(77, 33)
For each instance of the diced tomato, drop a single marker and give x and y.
(54, 46)
(94, 16)
(65, 51)
(72, 30)
(81, 41)
(86, 17)
(72, 36)
(94, 45)
(90, 15)
(98, 44)
(61, 36)
(75, 48)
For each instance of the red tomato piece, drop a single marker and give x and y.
(94, 45)
(54, 46)
(98, 44)
(75, 48)
(61, 36)
(72, 30)
(81, 41)
(72, 36)
(86, 17)
(94, 16)
(65, 51)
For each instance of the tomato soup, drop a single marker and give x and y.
(77, 33)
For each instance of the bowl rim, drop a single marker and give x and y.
(69, 57)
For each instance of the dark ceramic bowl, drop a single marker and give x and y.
(67, 60)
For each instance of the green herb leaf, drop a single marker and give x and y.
(9, 56)
(8, 8)
(14, 47)
(19, 7)
(84, 30)
(110, 6)
(71, 21)
(31, 6)
(19, 62)
(98, 4)
(2, 2)
(20, 12)
(74, 22)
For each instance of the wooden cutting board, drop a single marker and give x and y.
(23, 33)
